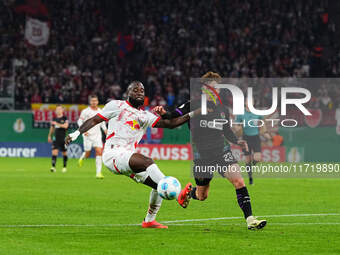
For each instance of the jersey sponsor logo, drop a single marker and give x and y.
(211, 124)
(133, 124)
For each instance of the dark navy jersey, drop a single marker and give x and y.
(207, 137)
(60, 133)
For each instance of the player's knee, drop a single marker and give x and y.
(238, 183)
(257, 157)
(148, 162)
(248, 159)
(202, 197)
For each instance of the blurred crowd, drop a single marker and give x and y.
(170, 41)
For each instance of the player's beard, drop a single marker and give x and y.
(136, 103)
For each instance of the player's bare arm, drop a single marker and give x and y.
(51, 131)
(87, 125)
(172, 123)
(175, 122)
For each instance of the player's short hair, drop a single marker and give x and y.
(211, 76)
(132, 84)
(92, 96)
(59, 105)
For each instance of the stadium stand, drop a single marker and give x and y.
(163, 45)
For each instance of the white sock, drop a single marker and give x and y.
(155, 203)
(154, 173)
(98, 164)
(82, 156)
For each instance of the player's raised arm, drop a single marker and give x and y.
(109, 111)
(83, 128)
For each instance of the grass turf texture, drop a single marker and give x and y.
(85, 210)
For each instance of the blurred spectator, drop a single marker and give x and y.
(277, 139)
(166, 44)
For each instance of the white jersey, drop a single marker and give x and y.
(127, 125)
(88, 113)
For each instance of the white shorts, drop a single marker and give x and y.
(92, 141)
(117, 161)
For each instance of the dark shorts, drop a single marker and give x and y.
(59, 145)
(201, 167)
(254, 144)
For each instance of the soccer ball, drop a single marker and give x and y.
(169, 188)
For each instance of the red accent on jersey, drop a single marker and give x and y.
(111, 135)
(101, 116)
(131, 105)
(153, 124)
(114, 164)
(135, 145)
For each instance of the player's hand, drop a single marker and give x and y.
(68, 140)
(159, 110)
(243, 144)
(49, 139)
(86, 134)
(72, 137)
(54, 123)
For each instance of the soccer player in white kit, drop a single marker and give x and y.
(127, 125)
(93, 137)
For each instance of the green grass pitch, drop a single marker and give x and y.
(74, 213)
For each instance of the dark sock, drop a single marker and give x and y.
(193, 193)
(243, 200)
(255, 162)
(65, 161)
(248, 168)
(54, 160)
(149, 182)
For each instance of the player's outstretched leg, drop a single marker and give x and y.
(243, 198)
(201, 191)
(150, 174)
(185, 196)
(155, 203)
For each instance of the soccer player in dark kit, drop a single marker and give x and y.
(56, 136)
(209, 141)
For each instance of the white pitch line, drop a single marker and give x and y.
(241, 224)
(67, 225)
(173, 222)
(267, 216)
